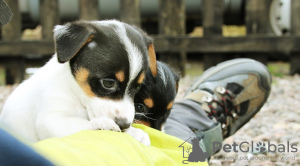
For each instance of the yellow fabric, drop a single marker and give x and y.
(113, 148)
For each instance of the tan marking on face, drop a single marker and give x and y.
(120, 76)
(81, 77)
(141, 78)
(170, 105)
(145, 123)
(149, 102)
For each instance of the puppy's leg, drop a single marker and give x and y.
(139, 135)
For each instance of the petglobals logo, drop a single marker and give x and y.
(194, 153)
(258, 147)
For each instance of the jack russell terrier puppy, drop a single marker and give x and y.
(154, 101)
(89, 84)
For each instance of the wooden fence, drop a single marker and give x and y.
(172, 42)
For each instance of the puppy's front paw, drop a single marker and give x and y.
(139, 135)
(104, 123)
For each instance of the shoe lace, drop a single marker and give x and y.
(223, 107)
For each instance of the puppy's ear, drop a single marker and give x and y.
(152, 59)
(177, 86)
(69, 39)
(177, 79)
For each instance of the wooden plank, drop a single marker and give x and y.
(15, 69)
(171, 17)
(294, 62)
(212, 11)
(12, 30)
(23, 48)
(173, 44)
(217, 44)
(49, 17)
(130, 12)
(257, 23)
(295, 30)
(172, 23)
(257, 17)
(88, 10)
(295, 19)
(6, 14)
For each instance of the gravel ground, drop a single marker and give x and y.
(4, 93)
(277, 123)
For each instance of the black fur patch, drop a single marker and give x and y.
(162, 93)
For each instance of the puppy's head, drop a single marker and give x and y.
(108, 60)
(155, 99)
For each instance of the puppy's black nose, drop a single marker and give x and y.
(122, 123)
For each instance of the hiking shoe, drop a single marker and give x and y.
(232, 92)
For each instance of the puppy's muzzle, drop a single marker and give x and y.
(122, 123)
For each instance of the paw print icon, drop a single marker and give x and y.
(261, 147)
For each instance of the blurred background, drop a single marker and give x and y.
(189, 35)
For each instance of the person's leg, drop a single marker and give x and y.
(14, 152)
(186, 118)
(220, 101)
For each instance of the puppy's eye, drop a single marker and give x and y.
(138, 87)
(139, 107)
(109, 84)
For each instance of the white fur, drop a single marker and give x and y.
(162, 75)
(134, 60)
(52, 104)
(59, 30)
(139, 135)
(123, 109)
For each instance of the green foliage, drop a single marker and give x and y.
(2, 76)
(279, 69)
